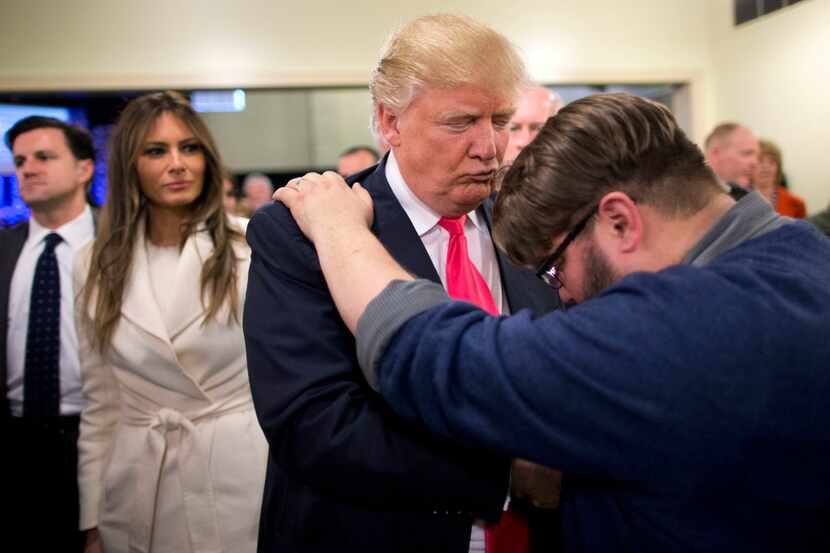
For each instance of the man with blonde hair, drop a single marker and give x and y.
(536, 105)
(691, 370)
(344, 472)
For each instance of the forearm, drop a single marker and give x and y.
(357, 268)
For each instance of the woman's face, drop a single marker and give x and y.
(171, 164)
(766, 171)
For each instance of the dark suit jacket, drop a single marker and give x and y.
(344, 472)
(11, 244)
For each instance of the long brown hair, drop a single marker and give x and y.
(112, 251)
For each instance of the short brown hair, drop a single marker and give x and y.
(594, 146)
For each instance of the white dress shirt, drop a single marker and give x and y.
(436, 240)
(75, 234)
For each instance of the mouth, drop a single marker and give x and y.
(178, 185)
(483, 177)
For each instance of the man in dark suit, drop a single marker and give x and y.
(344, 473)
(39, 367)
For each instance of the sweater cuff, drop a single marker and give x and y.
(391, 309)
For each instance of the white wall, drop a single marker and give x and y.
(772, 74)
(151, 44)
(768, 73)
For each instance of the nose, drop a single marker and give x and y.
(176, 160)
(484, 142)
(28, 167)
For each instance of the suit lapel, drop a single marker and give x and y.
(395, 230)
(522, 290)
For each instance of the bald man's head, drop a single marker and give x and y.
(535, 105)
(732, 153)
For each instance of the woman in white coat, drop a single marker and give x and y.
(171, 457)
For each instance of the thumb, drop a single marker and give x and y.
(364, 196)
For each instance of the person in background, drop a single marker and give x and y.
(691, 371)
(355, 160)
(351, 474)
(171, 457)
(732, 153)
(40, 380)
(822, 220)
(230, 198)
(536, 105)
(767, 180)
(257, 189)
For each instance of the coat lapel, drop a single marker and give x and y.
(139, 305)
(187, 304)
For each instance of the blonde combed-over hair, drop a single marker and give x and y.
(445, 51)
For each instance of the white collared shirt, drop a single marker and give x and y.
(75, 234)
(436, 239)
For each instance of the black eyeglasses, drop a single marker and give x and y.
(547, 269)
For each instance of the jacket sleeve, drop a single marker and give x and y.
(100, 414)
(324, 425)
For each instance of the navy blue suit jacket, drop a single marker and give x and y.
(344, 472)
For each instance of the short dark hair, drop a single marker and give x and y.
(356, 149)
(78, 138)
(593, 146)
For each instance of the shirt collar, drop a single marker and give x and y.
(750, 217)
(423, 217)
(75, 233)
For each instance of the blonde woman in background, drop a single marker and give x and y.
(767, 180)
(171, 457)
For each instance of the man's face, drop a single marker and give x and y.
(531, 114)
(449, 144)
(350, 164)
(584, 271)
(737, 157)
(48, 174)
(257, 194)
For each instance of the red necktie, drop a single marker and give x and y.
(464, 282)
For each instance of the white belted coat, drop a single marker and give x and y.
(170, 462)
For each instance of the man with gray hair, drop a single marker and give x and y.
(257, 188)
(344, 472)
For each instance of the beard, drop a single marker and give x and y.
(599, 274)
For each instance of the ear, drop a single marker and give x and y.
(85, 169)
(620, 222)
(388, 120)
